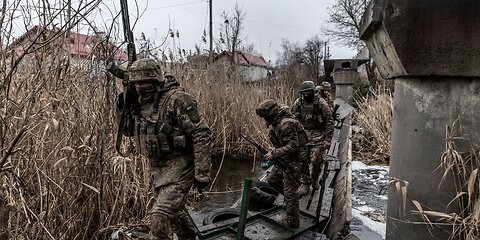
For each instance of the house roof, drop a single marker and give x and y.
(245, 59)
(80, 45)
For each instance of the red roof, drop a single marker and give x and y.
(246, 59)
(81, 45)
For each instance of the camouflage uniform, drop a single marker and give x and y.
(316, 118)
(170, 132)
(289, 139)
(325, 93)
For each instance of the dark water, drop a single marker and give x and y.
(227, 187)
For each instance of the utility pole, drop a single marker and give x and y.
(210, 57)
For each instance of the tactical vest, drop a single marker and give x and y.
(277, 140)
(155, 134)
(311, 115)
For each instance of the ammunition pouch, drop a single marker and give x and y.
(156, 139)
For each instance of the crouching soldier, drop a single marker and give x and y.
(168, 130)
(316, 117)
(289, 139)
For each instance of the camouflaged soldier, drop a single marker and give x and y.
(324, 92)
(316, 117)
(289, 139)
(169, 131)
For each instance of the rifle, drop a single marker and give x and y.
(130, 95)
(277, 162)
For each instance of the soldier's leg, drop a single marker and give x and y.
(169, 202)
(306, 176)
(183, 228)
(275, 179)
(316, 154)
(292, 197)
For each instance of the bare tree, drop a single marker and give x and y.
(231, 29)
(345, 17)
(313, 55)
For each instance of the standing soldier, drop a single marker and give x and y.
(316, 117)
(167, 129)
(324, 92)
(289, 139)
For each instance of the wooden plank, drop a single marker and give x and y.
(330, 177)
(333, 165)
(326, 203)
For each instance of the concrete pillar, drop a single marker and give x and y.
(432, 50)
(344, 74)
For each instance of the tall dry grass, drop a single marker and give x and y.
(63, 179)
(463, 166)
(374, 116)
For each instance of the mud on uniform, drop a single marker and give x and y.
(316, 118)
(289, 139)
(170, 132)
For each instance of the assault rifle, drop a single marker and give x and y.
(130, 95)
(277, 162)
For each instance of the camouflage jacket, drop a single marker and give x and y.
(315, 117)
(288, 137)
(171, 127)
(328, 98)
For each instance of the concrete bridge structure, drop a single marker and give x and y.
(431, 49)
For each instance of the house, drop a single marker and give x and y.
(81, 47)
(248, 65)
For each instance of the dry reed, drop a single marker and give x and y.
(463, 169)
(63, 179)
(374, 116)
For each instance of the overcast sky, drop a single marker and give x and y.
(267, 22)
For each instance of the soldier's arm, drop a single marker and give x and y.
(326, 114)
(295, 109)
(194, 126)
(289, 136)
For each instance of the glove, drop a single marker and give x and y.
(199, 185)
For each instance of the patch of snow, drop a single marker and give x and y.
(375, 226)
(357, 165)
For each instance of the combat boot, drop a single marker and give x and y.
(303, 190)
(290, 222)
(315, 185)
(160, 227)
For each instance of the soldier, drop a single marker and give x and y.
(168, 130)
(324, 92)
(289, 139)
(316, 117)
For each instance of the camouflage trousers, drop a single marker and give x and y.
(170, 189)
(315, 160)
(281, 182)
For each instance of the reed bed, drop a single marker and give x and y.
(374, 116)
(62, 178)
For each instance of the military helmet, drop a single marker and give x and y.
(145, 69)
(326, 86)
(267, 108)
(307, 86)
(318, 88)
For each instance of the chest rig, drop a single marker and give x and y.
(311, 114)
(155, 133)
